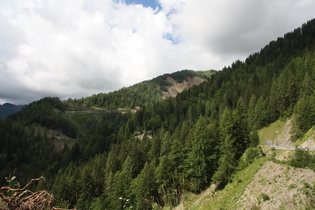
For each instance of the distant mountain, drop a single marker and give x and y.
(8, 109)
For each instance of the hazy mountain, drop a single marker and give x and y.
(8, 109)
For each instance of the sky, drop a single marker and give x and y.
(76, 48)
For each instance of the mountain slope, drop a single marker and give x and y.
(148, 91)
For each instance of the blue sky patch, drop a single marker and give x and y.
(154, 4)
(173, 39)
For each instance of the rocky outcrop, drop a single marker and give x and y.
(176, 87)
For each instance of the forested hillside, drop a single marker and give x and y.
(188, 142)
(141, 93)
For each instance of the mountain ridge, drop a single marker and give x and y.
(147, 91)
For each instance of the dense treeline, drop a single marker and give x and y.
(125, 97)
(199, 137)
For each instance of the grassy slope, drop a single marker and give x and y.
(270, 132)
(308, 140)
(226, 198)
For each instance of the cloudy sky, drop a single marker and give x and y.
(76, 48)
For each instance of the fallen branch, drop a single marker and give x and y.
(23, 199)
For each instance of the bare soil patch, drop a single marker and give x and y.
(309, 143)
(284, 135)
(176, 87)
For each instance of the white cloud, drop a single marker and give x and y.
(237, 28)
(77, 48)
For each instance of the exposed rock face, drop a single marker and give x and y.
(180, 87)
(59, 140)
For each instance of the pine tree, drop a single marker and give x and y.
(240, 130)
(144, 188)
(201, 161)
(252, 121)
(235, 131)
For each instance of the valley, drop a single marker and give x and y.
(225, 139)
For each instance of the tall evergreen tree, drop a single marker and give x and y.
(201, 161)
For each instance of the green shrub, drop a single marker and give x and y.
(264, 197)
(249, 156)
(303, 159)
(291, 186)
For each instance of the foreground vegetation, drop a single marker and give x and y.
(264, 184)
(207, 134)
